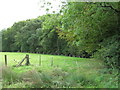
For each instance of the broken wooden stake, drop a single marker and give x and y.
(27, 60)
(21, 62)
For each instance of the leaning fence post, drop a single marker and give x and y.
(6, 60)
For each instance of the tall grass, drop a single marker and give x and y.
(9, 76)
(66, 72)
(58, 78)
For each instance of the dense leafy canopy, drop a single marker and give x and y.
(81, 29)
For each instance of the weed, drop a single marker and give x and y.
(87, 74)
(9, 76)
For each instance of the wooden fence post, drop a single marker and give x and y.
(6, 60)
(39, 60)
(52, 62)
(77, 64)
(27, 60)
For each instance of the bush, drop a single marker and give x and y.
(108, 79)
(110, 51)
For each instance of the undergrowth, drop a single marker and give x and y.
(59, 78)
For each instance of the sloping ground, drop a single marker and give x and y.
(65, 72)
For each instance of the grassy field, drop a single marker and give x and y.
(65, 72)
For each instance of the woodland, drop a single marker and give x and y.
(80, 29)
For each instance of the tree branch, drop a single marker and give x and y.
(109, 7)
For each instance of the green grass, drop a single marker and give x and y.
(65, 72)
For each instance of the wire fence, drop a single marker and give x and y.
(34, 59)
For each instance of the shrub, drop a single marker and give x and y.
(110, 51)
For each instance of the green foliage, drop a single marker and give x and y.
(66, 72)
(58, 78)
(90, 27)
(85, 25)
(112, 78)
(20, 85)
(34, 35)
(110, 51)
(9, 76)
(80, 29)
